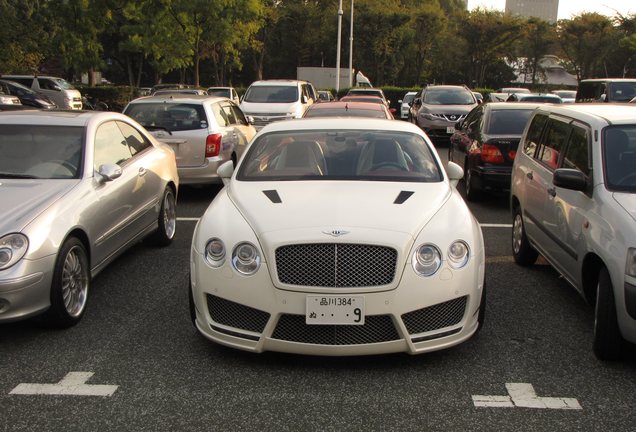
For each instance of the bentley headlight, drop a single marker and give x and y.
(12, 249)
(630, 265)
(215, 252)
(458, 254)
(427, 260)
(246, 259)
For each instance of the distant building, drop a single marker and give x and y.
(550, 72)
(545, 9)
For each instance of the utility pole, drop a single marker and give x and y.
(338, 48)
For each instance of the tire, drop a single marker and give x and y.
(473, 194)
(167, 220)
(70, 285)
(523, 253)
(608, 341)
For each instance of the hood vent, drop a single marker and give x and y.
(403, 196)
(273, 196)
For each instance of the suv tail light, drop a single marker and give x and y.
(213, 145)
(491, 154)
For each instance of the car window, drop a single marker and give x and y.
(577, 153)
(472, 123)
(219, 92)
(507, 122)
(240, 117)
(47, 84)
(136, 141)
(342, 155)
(220, 115)
(448, 97)
(171, 116)
(553, 143)
(111, 146)
(272, 94)
(41, 151)
(619, 157)
(622, 91)
(229, 113)
(534, 134)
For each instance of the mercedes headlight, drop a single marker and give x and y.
(246, 259)
(427, 260)
(12, 249)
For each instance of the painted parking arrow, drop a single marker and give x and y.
(523, 396)
(73, 384)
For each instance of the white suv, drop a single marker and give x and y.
(268, 101)
(203, 131)
(573, 200)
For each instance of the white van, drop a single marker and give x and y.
(57, 89)
(268, 101)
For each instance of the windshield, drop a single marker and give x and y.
(622, 91)
(29, 151)
(408, 98)
(345, 112)
(507, 122)
(64, 85)
(220, 92)
(169, 116)
(271, 94)
(361, 155)
(619, 156)
(448, 97)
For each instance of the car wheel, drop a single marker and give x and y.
(167, 219)
(70, 285)
(607, 337)
(472, 192)
(523, 253)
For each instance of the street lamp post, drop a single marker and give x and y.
(351, 49)
(338, 48)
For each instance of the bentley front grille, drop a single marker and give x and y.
(376, 329)
(435, 317)
(236, 315)
(336, 265)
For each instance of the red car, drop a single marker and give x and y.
(348, 109)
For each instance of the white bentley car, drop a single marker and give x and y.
(338, 237)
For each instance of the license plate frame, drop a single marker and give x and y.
(335, 309)
(450, 129)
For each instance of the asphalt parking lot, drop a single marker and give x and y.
(530, 369)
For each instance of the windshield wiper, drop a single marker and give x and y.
(17, 176)
(149, 127)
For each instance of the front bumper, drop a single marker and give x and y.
(420, 315)
(25, 289)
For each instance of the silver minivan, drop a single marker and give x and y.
(573, 200)
(203, 131)
(57, 89)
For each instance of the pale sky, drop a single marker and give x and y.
(570, 8)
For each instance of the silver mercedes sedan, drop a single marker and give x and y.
(76, 189)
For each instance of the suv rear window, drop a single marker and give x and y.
(173, 117)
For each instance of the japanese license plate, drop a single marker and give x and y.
(450, 130)
(335, 309)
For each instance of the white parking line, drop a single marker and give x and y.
(523, 395)
(73, 384)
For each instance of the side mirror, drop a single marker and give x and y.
(455, 173)
(569, 178)
(459, 125)
(400, 101)
(304, 99)
(109, 172)
(225, 171)
(250, 119)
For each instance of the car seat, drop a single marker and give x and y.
(381, 154)
(305, 156)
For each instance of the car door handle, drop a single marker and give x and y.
(530, 175)
(142, 172)
(552, 192)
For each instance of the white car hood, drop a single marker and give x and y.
(23, 200)
(309, 208)
(627, 201)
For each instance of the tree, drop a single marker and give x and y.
(586, 41)
(537, 39)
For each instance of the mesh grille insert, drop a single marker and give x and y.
(336, 265)
(435, 317)
(236, 315)
(377, 328)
